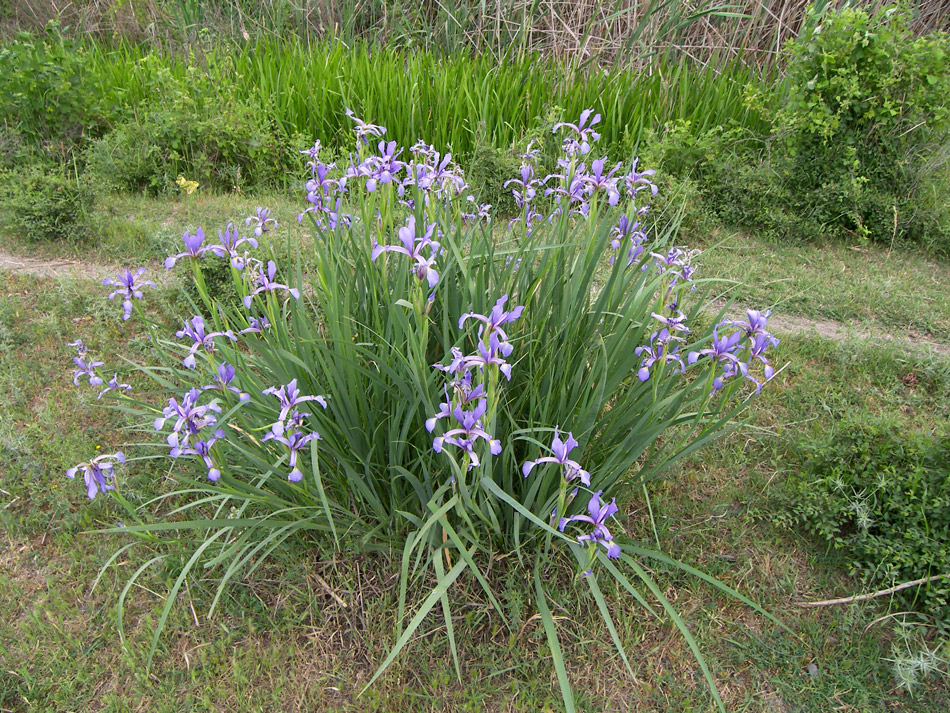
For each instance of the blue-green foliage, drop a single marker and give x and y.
(364, 327)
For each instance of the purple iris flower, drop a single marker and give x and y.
(456, 365)
(87, 370)
(295, 441)
(491, 354)
(99, 473)
(189, 416)
(527, 184)
(256, 325)
(261, 221)
(113, 385)
(423, 151)
(675, 323)
(229, 243)
(193, 248)
(200, 448)
(561, 449)
(530, 155)
(755, 324)
(676, 263)
(528, 217)
(583, 133)
(313, 152)
(129, 287)
(266, 282)
(638, 181)
(195, 330)
(628, 229)
(412, 246)
(496, 318)
(577, 191)
(320, 187)
(80, 347)
(598, 180)
(723, 351)
(382, 168)
(289, 396)
(483, 211)
(466, 436)
(599, 513)
(223, 378)
(658, 351)
(445, 410)
(761, 343)
(440, 178)
(364, 129)
(466, 393)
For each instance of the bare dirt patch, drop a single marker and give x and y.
(53, 268)
(841, 331)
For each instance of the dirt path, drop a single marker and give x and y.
(841, 331)
(780, 323)
(54, 268)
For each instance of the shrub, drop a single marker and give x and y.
(200, 129)
(342, 435)
(880, 496)
(865, 109)
(51, 90)
(230, 147)
(42, 204)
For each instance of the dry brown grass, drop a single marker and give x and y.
(611, 30)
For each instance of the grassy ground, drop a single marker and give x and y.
(902, 291)
(305, 634)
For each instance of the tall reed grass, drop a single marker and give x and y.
(304, 88)
(615, 31)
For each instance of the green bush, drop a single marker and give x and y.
(865, 110)
(881, 497)
(230, 147)
(43, 204)
(731, 178)
(193, 123)
(51, 90)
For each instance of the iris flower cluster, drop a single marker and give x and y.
(466, 427)
(735, 352)
(735, 345)
(433, 175)
(287, 429)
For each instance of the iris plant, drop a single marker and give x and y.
(99, 473)
(129, 287)
(571, 469)
(194, 329)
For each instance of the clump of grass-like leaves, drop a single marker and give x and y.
(432, 383)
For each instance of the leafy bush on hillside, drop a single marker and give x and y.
(858, 144)
(199, 129)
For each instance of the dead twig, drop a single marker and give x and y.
(863, 597)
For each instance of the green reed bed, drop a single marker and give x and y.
(220, 104)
